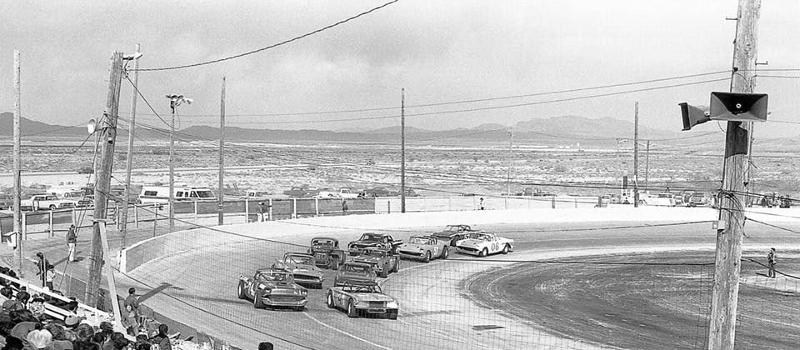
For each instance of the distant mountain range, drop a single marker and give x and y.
(554, 130)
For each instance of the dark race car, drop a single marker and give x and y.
(383, 261)
(353, 272)
(272, 287)
(326, 252)
(362, 299)
(373, 240)
(303, 269)
(452, 234)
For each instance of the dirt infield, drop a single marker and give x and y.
(664, 304)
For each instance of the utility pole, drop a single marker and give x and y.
(510, 160)
(725, 293)
(129, 158)
(403, 150)
(17, 164)
(220, 206)
(647, 168)
(636, 155)
(107, 130)
(174, 102)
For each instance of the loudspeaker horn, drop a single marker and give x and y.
(738, 107)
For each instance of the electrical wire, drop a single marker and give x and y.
(273, 45)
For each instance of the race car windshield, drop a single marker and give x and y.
(356, 268)
(452, 228)
(370, 237)
(275, 277)
(323, 242)
(483, 237)
(418, 240)
(303, 260)
(364, 289)
(376, 253)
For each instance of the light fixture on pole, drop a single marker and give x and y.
(175, 100)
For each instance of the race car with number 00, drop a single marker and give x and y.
(303, 269)
(424, 248)
(483, 244)
(272, 287)
(373, 240)
(364, 298)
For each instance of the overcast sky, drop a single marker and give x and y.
(439, 51)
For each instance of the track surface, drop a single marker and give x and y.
(436, 309)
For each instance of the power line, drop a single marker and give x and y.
(273, 45)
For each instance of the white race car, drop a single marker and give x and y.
(483, 244)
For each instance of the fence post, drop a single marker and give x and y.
(449, 203)
(554, 202)
(155, 218)
(52, 232)
(576, 202)
(246, 210)
(136, 214)
(270, 210)
(316, 206)
(74, 217)
(195, 212)
(389, 206)
(24, 226)
(294, 208)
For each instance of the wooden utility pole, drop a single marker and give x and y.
(636, 155)
(129, 158)
(221, 197)
(17, 164)
(725, 293)
(107, 129)
(172, 167)
(647, 168)
(402, 150)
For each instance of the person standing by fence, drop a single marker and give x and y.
(771, 260)
(72, 239)
(262, 210)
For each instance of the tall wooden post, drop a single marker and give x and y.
(221, 197)
(725, 293)
(636, 155)
(107, 131)
(17, 164)
(402, 150)
(129, 159)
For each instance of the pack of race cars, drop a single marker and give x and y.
(355, 288)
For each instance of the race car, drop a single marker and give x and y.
(303, 269)
(365, 298)
(452, 234)
(424, 248)
(377, 240)
(326, 252)
(272, 287)
(483, 244)
(353, 272)
(382, 261)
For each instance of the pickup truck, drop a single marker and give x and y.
(344, 193)
(46, 202)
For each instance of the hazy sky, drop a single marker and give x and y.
(438, 51)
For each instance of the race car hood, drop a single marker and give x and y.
(282, 287)
(355, 279)
(367, 259)
(372, 297)
(472, 243)
(307, 270)
(411, 246)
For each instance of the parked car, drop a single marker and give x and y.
(365, 298)
(303, 269)
(6, 201)
(326, 252)
(45, 202)
(160, 194)
(272, 287)
(354, 272)
(424, 248)
(483, 244)
(382, 261)
(452, 234)
(370, 239)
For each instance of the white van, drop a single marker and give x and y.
(160, 194)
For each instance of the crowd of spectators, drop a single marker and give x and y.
(26, 324)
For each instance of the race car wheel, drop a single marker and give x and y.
(240, 291)
(392, 315)
(258, 303)
(351, 309)
(505, 249)
(427, 258)
(329, 301)
(445, 252)
(396, 266)
(484, 252)
(52, 207)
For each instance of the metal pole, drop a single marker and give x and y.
(17, 163)
(173, 106)
(508, 171)
(636, 155)
(129, 159)
(221, 198)
(108, 134)
(403, 150)
(725, 292)
(647, 168)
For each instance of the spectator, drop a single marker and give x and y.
(265, 346)
(133, 301)
(262, 209)
(50, 276)
(36, 307)
(131, 322)
(13, 343)
(772, 259)
(72, 239)
(40, 338)
(118, 341)
(41, 266)
(344, 206)
(23, 296)
(162, 339)
(481, 204)
(11, 304)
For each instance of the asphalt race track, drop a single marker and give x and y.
(462, 303)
